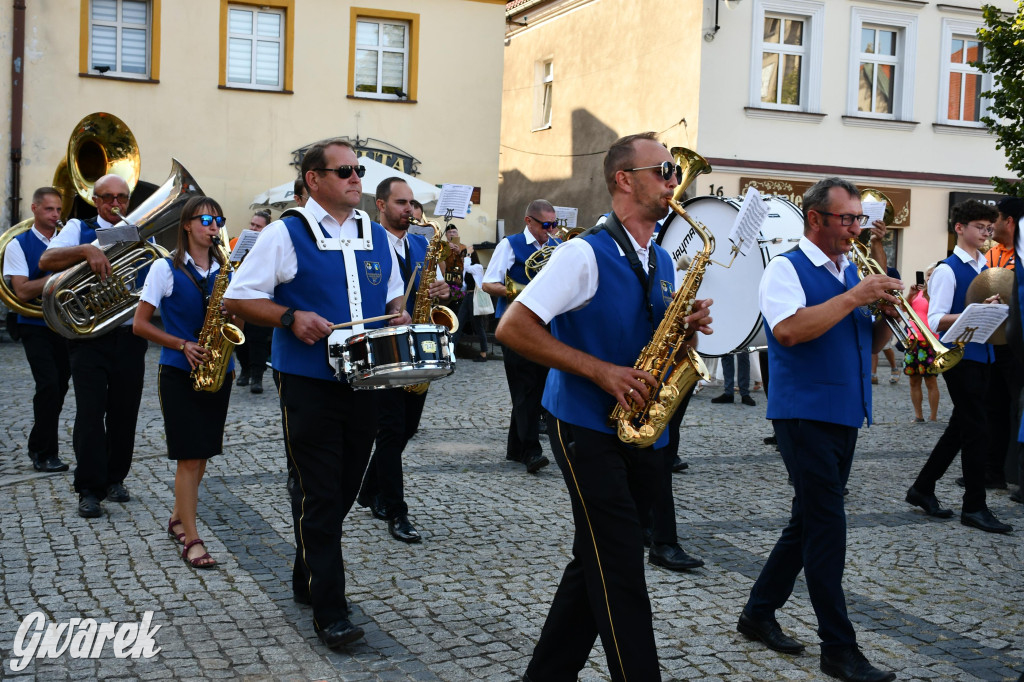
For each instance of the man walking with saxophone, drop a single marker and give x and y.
(613, 277)
(400, 409)
(525, 378)
(820, 340)
(332, 265)
(108, 371)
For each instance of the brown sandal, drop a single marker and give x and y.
(180, 537)
(194, 562)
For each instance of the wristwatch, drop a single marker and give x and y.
(288, 318)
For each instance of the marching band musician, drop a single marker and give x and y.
(252, 355)
(820, 340)
(400, 410)
(181, 287)
(300, 278)
(45, 349)
(525, 377)
(613, 277)
(108, 371)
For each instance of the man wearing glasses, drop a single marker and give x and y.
(967, 431)
(820, 340)
(331, 265)
(107, 371)
(525, 378)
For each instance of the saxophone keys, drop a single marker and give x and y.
(668, 393)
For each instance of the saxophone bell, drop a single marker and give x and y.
(218, 336)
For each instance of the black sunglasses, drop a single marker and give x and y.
(205, 219)
(343, 172)
(546, 226)
(666, 170)
(846, 219)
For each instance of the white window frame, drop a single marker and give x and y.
(119, 26)
(379, 49)
(813, 16)
(254, 38)
(544, 71)
(905, 26)
(951, 27)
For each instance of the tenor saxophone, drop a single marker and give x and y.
(218, 336)
(676, 367)
(425, 311)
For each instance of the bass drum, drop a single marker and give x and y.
(736, 314)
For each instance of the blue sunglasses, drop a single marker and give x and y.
(206, 219)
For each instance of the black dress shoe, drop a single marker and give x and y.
(673, 558)
(116, 492)
(243, 378)
(851, 666)
(771, 440)
(747, 400)
(929, 503)
(379, 511)
(1018, 496)
(340, 633)
(985, 520)
(679, 465)
(768, 633)
(401, 529)
(480, 358)
(50, 464)
(89, 507)
(257, 385)
(724, 398)
(542, 428)
(536, 463)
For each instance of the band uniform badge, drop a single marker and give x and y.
(373, 272)
(667, 289)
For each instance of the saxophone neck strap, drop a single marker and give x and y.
(613, 226)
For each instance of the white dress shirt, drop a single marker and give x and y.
(71, 235)
(272, 260)
(570, 278)
(401, 245)
(160, 280)
(504, 257)
(780, 294)
(942, 284)
(15, 263)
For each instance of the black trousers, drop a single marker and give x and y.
(328, 432)
(661, 508)
(108, 373)
(467, 318)
(1006, 378)
(526, 385)
(966, 433)
(603, 590)
(818, 457)
(400, 412)
(47, 354)
(257, 339)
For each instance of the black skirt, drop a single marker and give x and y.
(193, 420)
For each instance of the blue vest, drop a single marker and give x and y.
(417, 244)
(320, 286)
(33, 248)
(825, 379)
(522, 251)
(183, 313)
(965, 274)
(613, 326)
(88, 231)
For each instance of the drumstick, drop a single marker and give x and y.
(343, 325)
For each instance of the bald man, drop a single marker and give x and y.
(107, 371)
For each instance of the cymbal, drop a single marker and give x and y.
(989, 282)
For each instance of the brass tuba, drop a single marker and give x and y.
(218, 336)
(7, 295)
(675, 366)
(78, 305)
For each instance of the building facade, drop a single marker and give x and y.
(233, 89)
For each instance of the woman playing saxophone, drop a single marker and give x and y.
(181, 286)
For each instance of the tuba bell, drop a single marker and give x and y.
(78, 305)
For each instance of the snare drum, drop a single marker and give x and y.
(390, 357)
(735, 311)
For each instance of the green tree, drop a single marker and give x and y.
(1003, 40)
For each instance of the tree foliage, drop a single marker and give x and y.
(1003, 41)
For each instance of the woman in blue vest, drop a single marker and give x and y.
(193, 420)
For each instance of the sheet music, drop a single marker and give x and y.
(976, 323)
(117, 234)
(874, 210)
(243, 245)
(568, 214)
(749, 221)
(454, 197)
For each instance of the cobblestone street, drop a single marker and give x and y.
(931, 599)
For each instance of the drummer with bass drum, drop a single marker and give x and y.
(325, 263)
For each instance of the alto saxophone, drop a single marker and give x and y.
(218, 336)
(674, 376)
(425, 311)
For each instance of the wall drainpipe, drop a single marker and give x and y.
(17, 103)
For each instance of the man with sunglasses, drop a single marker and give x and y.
(107, 371)
(329, 264)
(603, 293)
(525, 377)
(967, 382)
(820, 339)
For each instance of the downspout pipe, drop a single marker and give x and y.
(17, 105)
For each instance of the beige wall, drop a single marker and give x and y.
(239, 143)
(619, 68)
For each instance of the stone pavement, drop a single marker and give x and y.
(931, 599)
